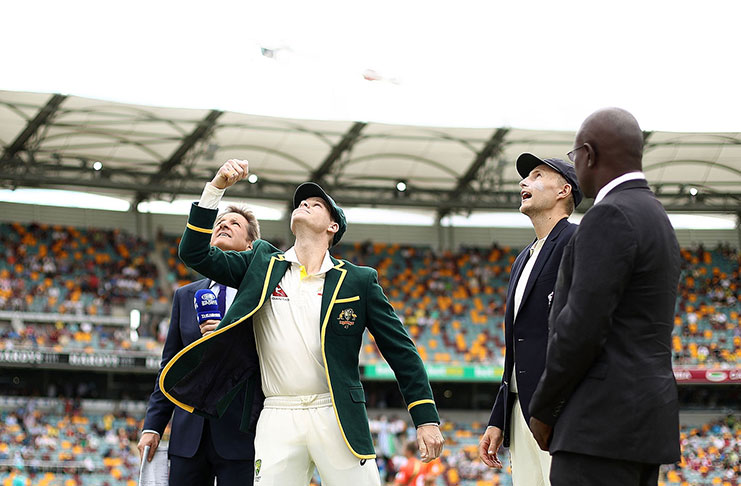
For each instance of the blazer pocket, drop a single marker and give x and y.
(346, 300)
(357, 394)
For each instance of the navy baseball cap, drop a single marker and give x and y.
(526, 162)
(311, 189)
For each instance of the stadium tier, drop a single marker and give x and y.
(61, 444)
(451, 302)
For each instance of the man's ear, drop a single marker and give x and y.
(591, 155)
(333, 227)
(565, 191)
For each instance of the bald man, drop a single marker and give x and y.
(606, 405)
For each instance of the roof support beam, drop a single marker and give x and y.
(43, 116)
(203, 128)
(491, 149)
(348, 140)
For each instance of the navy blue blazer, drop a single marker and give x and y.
(527, 340)
(229, 442)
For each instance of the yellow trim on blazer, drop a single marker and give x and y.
(324, 357)
(200, 230)
(349, 299)
(420, 402)
(180, 404)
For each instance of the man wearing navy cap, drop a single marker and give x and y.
(549, 193)
(307, 313)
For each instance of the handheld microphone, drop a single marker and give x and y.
(207, 307)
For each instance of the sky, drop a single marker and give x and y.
(536, 64)
(540, 65)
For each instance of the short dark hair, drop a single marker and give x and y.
(253, 226)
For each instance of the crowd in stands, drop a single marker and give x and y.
(711, 455)
(451, 302)
(67, 447)
(61, 269)
(70, 447)
(707, 321)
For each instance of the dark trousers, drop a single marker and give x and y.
(571, 469)
(205, 465)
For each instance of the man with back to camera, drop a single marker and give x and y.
(308, 312)
(549, 193)
(606, 406)
(202, 449)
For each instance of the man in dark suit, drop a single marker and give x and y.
(549, 193)
(606, 406)
(201, 449)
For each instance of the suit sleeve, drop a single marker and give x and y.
(497, 412)
(604, 252)
(225, 267)
(399, 351)
(159, 409)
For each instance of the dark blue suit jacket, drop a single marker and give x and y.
(187, 428)
(527, 340)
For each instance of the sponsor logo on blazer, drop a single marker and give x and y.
(347, 318)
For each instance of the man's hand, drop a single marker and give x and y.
(209, 326)
(430, 442)
(542, 433)
(489, 445)
(233, 171)
(148, 439)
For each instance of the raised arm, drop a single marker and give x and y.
(226, 267)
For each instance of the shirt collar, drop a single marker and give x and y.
(327, 263)
(630, 176)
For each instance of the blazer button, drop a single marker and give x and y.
(519, 340)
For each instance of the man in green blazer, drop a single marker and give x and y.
(302, 313)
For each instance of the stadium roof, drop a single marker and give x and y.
(150, 153)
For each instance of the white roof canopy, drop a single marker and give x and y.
(149, 153)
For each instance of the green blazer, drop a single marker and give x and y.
(205, 376)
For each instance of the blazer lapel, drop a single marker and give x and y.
(332, 283)
(543, 257)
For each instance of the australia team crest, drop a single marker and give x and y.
(347, 318)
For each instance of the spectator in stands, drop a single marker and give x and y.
(549, 195)
(608, 386)
(199, 448)
(410, 473)
(309, 312)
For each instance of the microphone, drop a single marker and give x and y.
(206, 305)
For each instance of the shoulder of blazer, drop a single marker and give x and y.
(263, 246)
(352, 268)
(192, 287)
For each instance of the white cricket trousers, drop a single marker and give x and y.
(530, 465)
(296, 433)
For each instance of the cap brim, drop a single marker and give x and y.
(526, 162)
(307, 190)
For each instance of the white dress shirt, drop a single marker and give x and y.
(630, 176)
(288, 333)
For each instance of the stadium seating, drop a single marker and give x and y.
(70, 270)
(68, 446)
(451, 302)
